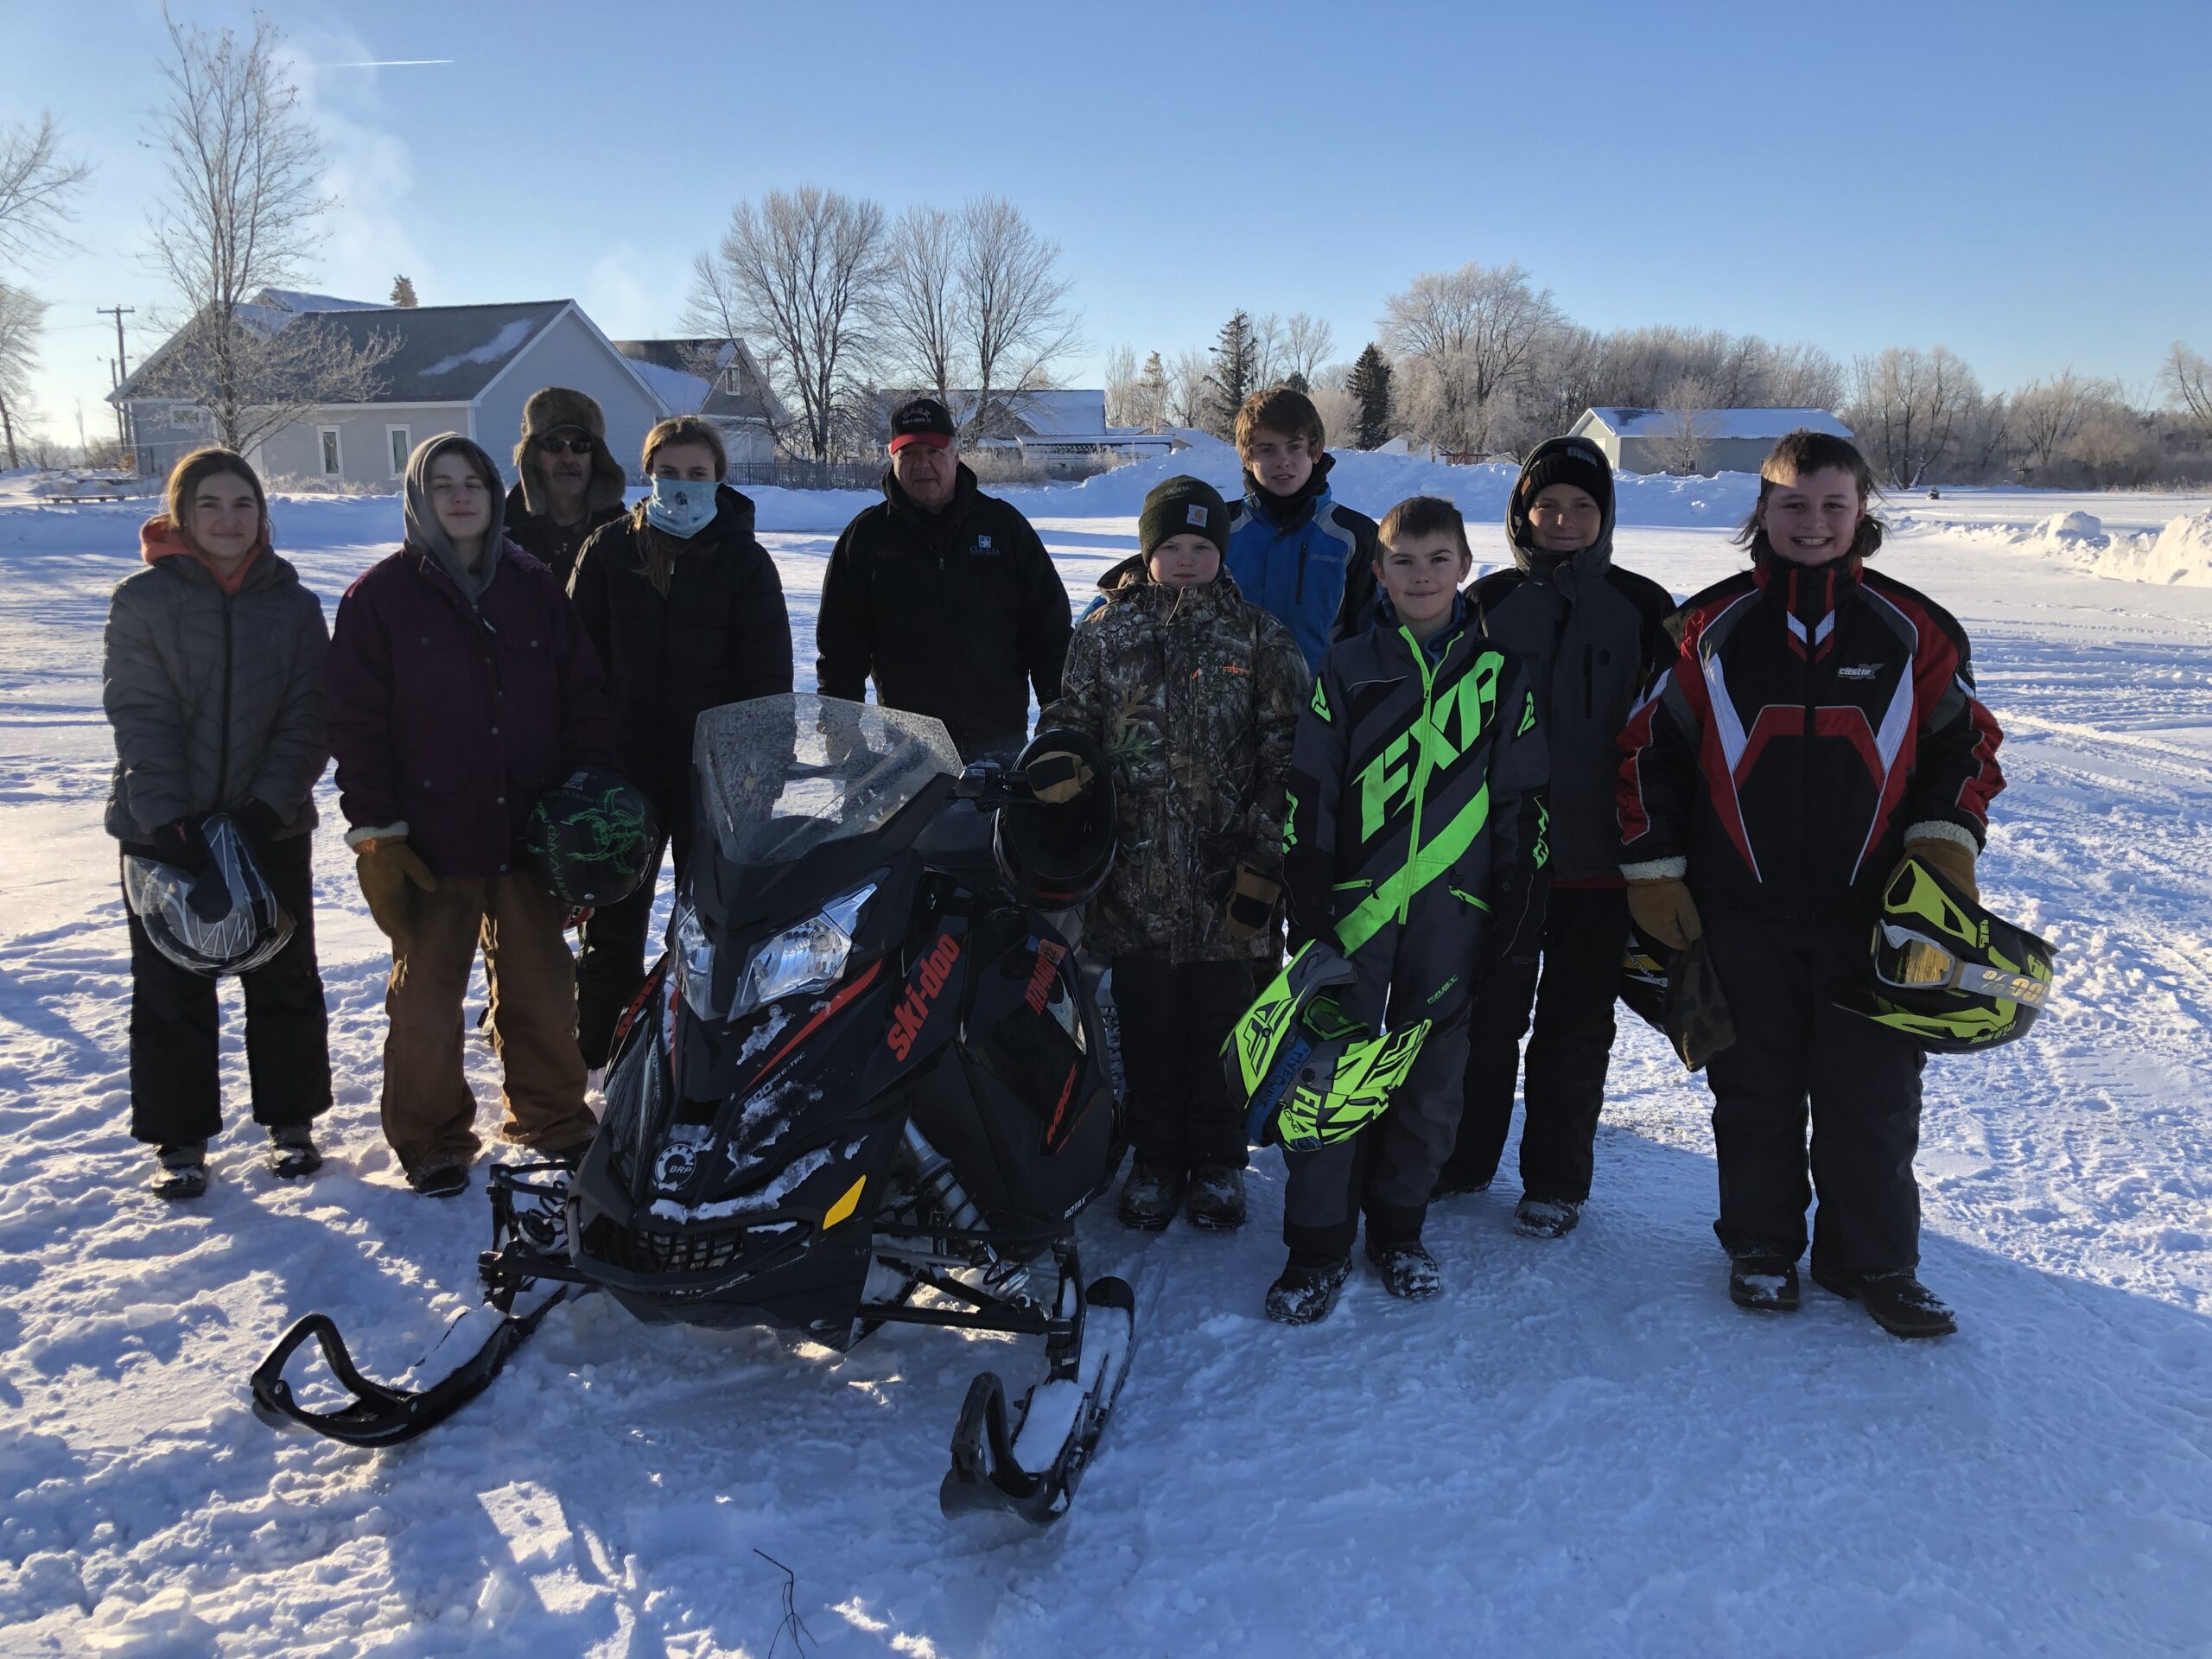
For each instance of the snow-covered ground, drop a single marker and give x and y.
(1581, 1448)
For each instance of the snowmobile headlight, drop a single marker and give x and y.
(810, 957)
(694, 960)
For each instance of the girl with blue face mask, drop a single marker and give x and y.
(686, 612)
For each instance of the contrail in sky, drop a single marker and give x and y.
(386, 63)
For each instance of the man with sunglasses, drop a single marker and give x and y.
(569, 483)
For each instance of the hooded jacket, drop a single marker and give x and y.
(956, 614)
(1588, 633)
(1807, 722)
(1304, 559)
(216, 695)
(1416, 828)
(1194, 695)
(451, 711)
(719, 634)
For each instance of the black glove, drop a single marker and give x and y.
(183, 846)
(258, 822)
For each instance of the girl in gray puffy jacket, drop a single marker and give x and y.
(213, 681)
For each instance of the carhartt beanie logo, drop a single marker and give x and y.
(1178, 506)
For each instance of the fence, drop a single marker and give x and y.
(808, 475)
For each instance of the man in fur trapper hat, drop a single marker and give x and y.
(569, 482)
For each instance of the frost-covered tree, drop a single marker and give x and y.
(1369, 387)
(38, 185)
(2045, 415)
(1307, 343)
(22, 318)
(2187, 376)
(1465, 339)
(1689, 426)
(1907, 407)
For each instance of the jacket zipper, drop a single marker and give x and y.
(1803, 861)
(1421, 765)
(1589, 683)
(223, 749)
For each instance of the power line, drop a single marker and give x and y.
(122, 364)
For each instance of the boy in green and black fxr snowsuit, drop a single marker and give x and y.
(1415, 842)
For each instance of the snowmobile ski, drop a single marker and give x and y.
(1030, 1465)
(377, 1414)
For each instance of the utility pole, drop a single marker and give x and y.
(122, 364)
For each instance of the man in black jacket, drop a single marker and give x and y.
(568, 482)
(686, 612)
(1585, 629)
(944, 595)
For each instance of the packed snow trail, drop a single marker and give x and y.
(1581, 1446)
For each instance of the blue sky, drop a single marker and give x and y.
(2025, 183)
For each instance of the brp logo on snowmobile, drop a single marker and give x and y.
(913, 1010)
(677, 1163)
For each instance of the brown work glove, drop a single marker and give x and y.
(390, 872)
(1951, 859)
(1665, 910)
(1058, 777)
(1251, 908)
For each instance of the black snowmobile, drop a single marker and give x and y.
(866, 1083)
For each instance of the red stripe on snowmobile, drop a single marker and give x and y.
(811, 1025)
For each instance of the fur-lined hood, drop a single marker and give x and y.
(549, 409)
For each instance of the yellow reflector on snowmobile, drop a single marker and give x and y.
(844, 1207)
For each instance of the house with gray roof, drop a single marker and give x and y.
(1701, 441)
(717, 380)
(454, 368)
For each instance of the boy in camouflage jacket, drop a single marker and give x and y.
(1193, 692)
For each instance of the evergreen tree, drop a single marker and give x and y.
(1235, 366)
(1153, 392)
(1370, 386)
(1296, 382)
(403, 294)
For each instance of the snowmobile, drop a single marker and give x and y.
(866, 1083)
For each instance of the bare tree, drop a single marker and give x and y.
(1190, 390)
(923, 326)
(1906, 407)
(2187, 376)
(1566, 376)
(1270, 366)
(1690, 425)
(245, 171)
(1015, 305)
(1124, 386)
(36, 185)
(802, 271)
(22, 317)
(1463, 339)
(2045, 414)
(1307, 343)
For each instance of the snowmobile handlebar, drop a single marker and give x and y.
(991, 786)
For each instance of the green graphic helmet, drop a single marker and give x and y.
(590, 838)
(1307, 1072)
(1948, 973)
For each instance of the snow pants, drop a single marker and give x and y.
(1794, 1048)
(1572, 995)
(429, 1115)
(175, 1025)
(611, 966)
(1174, 1017)
(1388, 1170)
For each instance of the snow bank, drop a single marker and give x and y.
(2177, 553)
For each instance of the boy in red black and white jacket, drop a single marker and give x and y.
(1817, 721)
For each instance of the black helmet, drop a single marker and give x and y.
(1643, 978)
(225, 920)
(1677, 993)
(592, 839)
(1056, 855)
(1946, 972)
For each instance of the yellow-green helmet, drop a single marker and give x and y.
(1307, 1072)
(1946, 972)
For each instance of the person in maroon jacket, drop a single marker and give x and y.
(461, 688)
(1813, 724)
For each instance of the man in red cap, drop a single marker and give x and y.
(943, 596)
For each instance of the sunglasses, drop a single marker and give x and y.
(565, 446)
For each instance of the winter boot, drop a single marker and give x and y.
(1408, 1269)
(1765, 1284)
(183, 1171)
(1215, 1201)
(1546, 1217)
(1901, 1304)
(1150, 1196)
(440, 1180)
(292, 1152)
(1304, 1296)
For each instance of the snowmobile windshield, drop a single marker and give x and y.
(778, 776)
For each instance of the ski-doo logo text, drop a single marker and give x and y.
(1041, 981)
(913, 1009)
